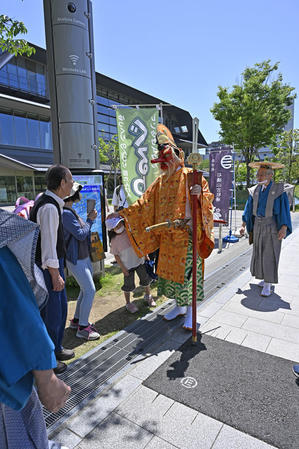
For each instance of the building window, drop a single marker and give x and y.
(22, 74)
(12, 74)
(40, 184)
(31, 75)
(33, 132)
(102, 100)
(7, 189)
(26, 75)
(113, 129)
(25, 130)
(20, 131)
(6, 129)
(41, 80)
(46, 135)
(25, 186)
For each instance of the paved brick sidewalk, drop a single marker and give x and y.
(129, 415)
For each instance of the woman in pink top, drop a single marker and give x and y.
(129, 262)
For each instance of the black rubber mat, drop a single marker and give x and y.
(87, 376)
(251, 391)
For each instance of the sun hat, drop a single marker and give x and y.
(76, 188)
(111, 223)
(265, 164)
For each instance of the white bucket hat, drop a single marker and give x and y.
(76, 188)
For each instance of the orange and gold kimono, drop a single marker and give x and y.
(165, 199)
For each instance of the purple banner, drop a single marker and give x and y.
(220, 181)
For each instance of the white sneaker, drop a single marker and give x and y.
(188, 319)
(174, 313)
(266, 289)
(261, 284)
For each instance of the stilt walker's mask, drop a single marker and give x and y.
(168, 151)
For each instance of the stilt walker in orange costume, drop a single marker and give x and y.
(168, 201)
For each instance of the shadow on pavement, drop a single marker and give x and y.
(254, 301)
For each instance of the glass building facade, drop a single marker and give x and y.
(106, 118)
(25, 126)
(24, 130)
(25, 75)
(106, 114)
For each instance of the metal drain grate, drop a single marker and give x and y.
(87, 376)
(223, 275)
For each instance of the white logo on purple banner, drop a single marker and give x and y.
(227, 162)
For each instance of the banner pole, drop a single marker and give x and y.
(161, 110)
(235, 188)
(150, 105)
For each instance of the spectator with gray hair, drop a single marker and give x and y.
(268, 221)
(50, 253)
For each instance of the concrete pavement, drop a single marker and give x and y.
(129, 415)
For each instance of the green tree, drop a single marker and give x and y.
(9, 30)
(205, 164)
(286, 151)
(109, 154)
(254, 112)
(240, 173)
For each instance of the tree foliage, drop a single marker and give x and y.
(286, 151)
(253, 113)
(205, 164)
(109, 154)
(240, 173)
(9, 30)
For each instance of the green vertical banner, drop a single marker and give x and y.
(137, 146)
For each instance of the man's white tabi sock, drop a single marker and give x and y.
(266, 289)
(174, 313)
(188, 319)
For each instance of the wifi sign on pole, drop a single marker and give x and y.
(74, 59)
(72, 83)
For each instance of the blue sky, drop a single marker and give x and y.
(181, 51)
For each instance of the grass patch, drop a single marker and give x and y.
(108, 312)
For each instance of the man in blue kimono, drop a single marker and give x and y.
(267, 215)
(296, 370)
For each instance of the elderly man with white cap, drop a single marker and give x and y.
(267, 219)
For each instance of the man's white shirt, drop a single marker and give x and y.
(48, 220)
(119, 200)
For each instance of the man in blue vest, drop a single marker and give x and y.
(50, 254)
(267, 215)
